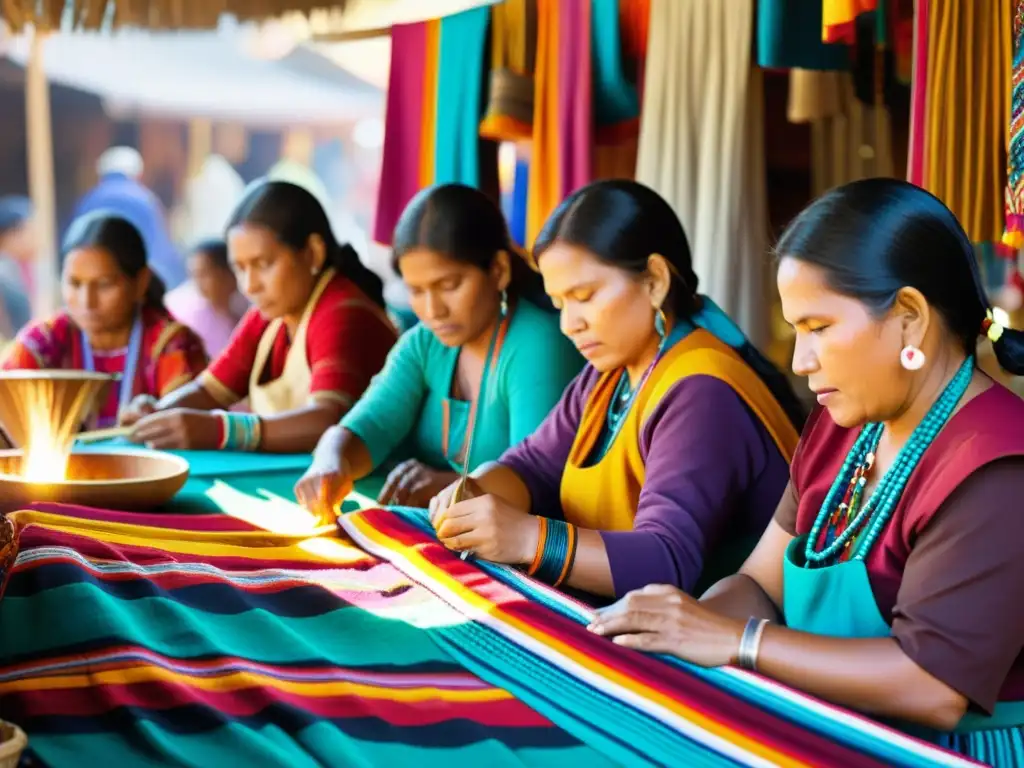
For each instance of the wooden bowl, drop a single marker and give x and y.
(129, 478)
(12, 743)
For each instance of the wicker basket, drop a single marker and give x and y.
(12, 743)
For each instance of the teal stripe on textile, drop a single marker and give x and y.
(312, 747)
(615, 98)
(80, 613)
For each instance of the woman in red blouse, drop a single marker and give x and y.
(315, 336)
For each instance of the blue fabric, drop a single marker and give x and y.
(460, 67)
(712, 318)
(520, 196)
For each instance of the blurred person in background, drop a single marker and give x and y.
(18, 246)
(121, 190)
(209, 302)
(113, 321)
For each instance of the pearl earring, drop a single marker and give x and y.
(912, 358)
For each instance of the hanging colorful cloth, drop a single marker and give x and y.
(789, 37)
(460, 74)
(403, 121)
(634, 18)
(563, 135)
(509, 115)
(917, 148)
(838, 18)
(1014, 235)
(616, 104)
(969, 65)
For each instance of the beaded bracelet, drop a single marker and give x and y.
(557, 549)
(240, 431)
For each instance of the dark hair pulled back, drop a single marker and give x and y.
(623, 223)
(294, 215)
(876, 236)
(464, 224)
(216, 250)
(120, 238)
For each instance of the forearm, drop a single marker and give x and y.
(740, 597)
(591, 571)
(347, 448)
(503, 482)
(298, 431)
(871, 675)
(191, 395)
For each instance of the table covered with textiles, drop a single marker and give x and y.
(233, 481)
(203, 640)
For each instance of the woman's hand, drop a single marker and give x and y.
(414, 484)
(142, 405)
(178, 429)
(324, 485)
(489, 528)
(446, 497)
(663, 619)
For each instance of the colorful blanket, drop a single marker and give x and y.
(203, 640)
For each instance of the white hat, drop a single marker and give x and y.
(124, 160)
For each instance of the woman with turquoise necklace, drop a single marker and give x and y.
(487, 352)
(891, 577)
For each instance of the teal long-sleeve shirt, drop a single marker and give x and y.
(401, 415)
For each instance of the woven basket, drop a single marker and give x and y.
(12, 743)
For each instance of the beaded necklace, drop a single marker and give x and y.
(853, 526)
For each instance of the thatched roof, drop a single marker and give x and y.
(149, 14)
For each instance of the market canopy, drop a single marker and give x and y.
(150, 14)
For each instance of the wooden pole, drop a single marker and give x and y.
(39, 137)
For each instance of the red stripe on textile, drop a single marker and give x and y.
(250, 701)
(672, 682)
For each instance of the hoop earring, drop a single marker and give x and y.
(912, 358)
(504, 302)
(660, 323)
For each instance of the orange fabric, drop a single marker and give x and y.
(838, 17)
(427, 140)
(604, 496)
(545, 185)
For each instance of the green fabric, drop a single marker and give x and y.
(837, 601)
(403, 409)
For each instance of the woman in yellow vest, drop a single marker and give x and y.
(315, 336)
(666, 456)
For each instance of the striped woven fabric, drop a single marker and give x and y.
(201, 640)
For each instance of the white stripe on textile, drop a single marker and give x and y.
(702, 148)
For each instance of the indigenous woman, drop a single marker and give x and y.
(209, 302)
(890, 578)
(114, 319)
(487, 352)
(304, 353)
(668, 451)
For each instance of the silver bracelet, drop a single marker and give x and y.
(750, 643)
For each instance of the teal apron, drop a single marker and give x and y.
(837, 601)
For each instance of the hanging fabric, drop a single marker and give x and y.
(563, 130)
(403, 121)
(1014, 235)
(849, 140)
(616, 103)
(789, 36)
(969, 64)
(702, 147)
(460, 75)
(917, 146)
(509, 114)
(839, 17)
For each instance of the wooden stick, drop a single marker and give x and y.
(95, 435)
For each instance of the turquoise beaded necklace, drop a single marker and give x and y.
(866, 523)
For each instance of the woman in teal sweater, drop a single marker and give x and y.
(476, 301)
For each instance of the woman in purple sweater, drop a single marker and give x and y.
(666, 456)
